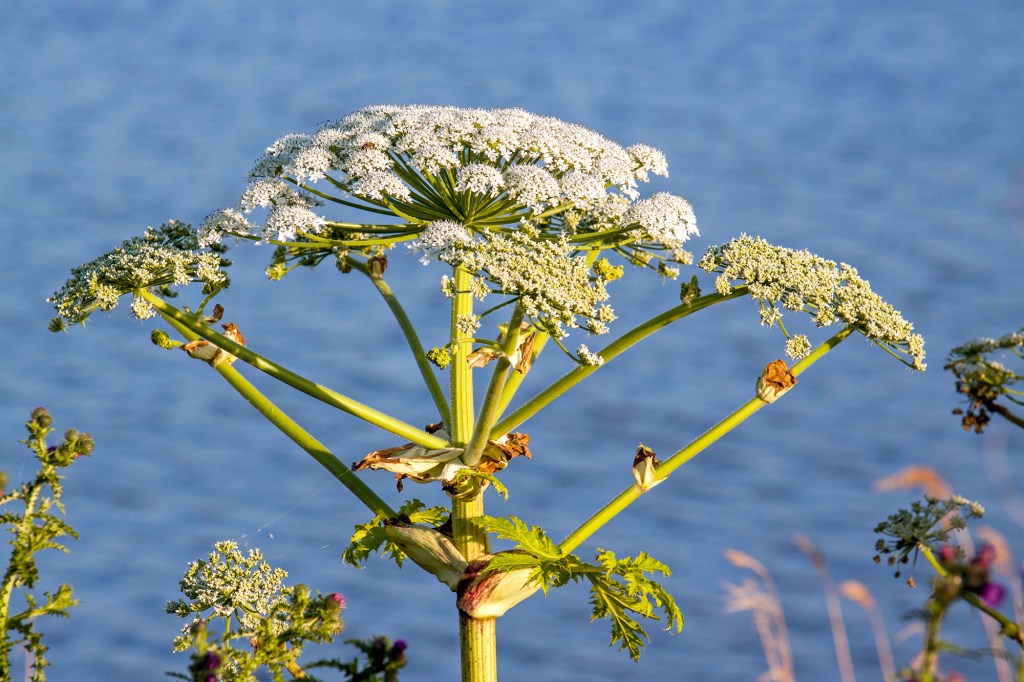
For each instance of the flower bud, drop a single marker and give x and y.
(487, 594)
(440, 357)
(42, 417)
(211, 661)
(377, 265)
(645, 465)
(947, 557)
(775, 381)
(161, 339)
(430, 550)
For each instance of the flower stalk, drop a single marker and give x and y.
(665, 469)
(291, 429)
(426, 370)
(478, 641)
(326, 395)
(574, 376)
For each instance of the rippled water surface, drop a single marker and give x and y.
(887, 136)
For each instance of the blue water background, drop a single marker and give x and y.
(886, 135)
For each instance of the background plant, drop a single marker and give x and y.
(525, 214)
(39, 524)
(976, 573)
(244, 619)
(986, 382)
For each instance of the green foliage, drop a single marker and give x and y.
(383, 660)
(369, 537)
(466, 474)
(35, 528)
(272, 621)
(983, 379)
(923, 526)
(619, 588)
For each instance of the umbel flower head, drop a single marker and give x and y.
(516, 198)
(163, 257)
(781, 278)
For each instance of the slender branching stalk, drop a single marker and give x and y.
(413, 339)
(665, 469)
(326, 395)
(548, 395)
(292, 430)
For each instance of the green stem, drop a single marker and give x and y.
(575, 376)
(426, 370)
(477, 638)
(461, 373)
(322, 393)
(515, 379)
(296, 433)
(936, 611)
(632, 493)
(1008, 627)
(12, 577)
(1009, 416)
(492, 398)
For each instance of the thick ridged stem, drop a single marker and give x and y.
(477, 638)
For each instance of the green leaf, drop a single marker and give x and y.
(370, 537)
(622, 588)
(531, 539)
(499, 487)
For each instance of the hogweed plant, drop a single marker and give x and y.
(529, 221)
(36, 525)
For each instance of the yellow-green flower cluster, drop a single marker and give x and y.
(782, 278)
(553, 287)
(161, 258)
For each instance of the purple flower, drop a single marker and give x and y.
(985, 556)
(993, 594)
(212, 661)
(398, 649)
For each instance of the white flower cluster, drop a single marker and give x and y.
(1014, 342)
(162, 257)
(588, 357)
(231, 584)
(552, 286)
(802, 281)
(980, 375)
(409, 160)
(442, 240)
(662, 218)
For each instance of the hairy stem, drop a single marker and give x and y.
(492, 398)
(477, 638)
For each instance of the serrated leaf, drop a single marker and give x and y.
(499, 487)
(531, 539)
(370, 537)
(623, 587)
